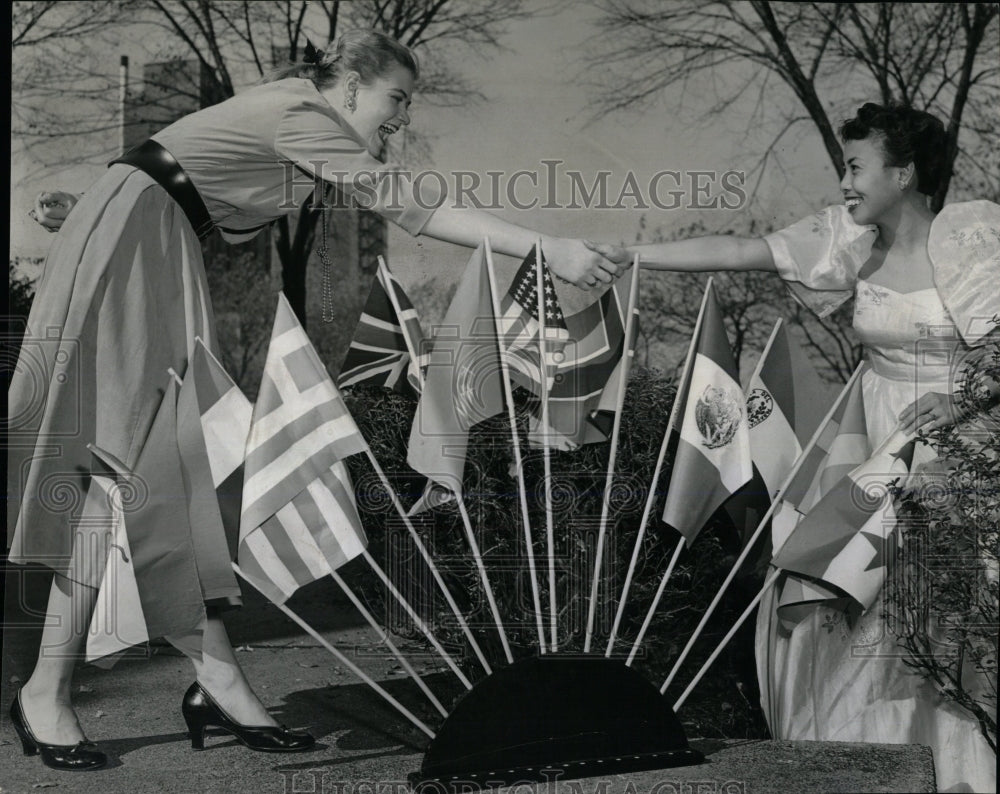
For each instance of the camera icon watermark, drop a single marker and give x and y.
(47, 369)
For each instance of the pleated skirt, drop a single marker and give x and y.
(120, 302)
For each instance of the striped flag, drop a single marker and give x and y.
(847, 539)
(520, 327)
(584, 392)
(463, 385)
(117, 621)
(386, 341)
(299, 519)
(713, 452)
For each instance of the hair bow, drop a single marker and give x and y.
(312, 55)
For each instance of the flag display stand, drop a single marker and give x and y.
(551, 717)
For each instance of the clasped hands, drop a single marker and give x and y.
(586, 264)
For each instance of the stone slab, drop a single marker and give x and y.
(770, 767)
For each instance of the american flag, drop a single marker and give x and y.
(299, 518)
(386, 348)
(584, 378)
(520, 326)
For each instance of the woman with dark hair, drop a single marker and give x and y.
(122, 299)
(916, 277)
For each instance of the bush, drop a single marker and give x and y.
(724, 704)
(944, 598)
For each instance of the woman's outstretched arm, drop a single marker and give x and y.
(697, 254)
(569, 259)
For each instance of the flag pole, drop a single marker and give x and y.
(518, 464)
(651, 498)
(394, 300)
(425, 630)
(384, 637)
(341, 658)
(763, 354)
(429, 560)
(629, 353)
(656, 602)
(760, 527)
(478, 557)
(768, 584)
(550, 536)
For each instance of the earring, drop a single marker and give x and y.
(352, 102)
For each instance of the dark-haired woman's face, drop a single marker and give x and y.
(870, 187)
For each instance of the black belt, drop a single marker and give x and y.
(160, 164)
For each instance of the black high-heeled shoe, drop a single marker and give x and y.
(78, 757)
(201, 711)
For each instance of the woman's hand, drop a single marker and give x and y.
(613, 253)
(929, 412)
(577, 262)
(51, 209)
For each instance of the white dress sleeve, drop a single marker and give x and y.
(964, 249)
(819, 257)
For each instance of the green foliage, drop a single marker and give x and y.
(724, 704)
(944, 596)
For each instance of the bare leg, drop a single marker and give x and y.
(220, 674)
(46, 697)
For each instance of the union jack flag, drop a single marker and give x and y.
(386, 348)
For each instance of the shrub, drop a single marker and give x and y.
(944, 598)
(723, 705)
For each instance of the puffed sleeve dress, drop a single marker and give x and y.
(123, 297)
(826, 678)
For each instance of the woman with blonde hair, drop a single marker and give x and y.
(123, 297)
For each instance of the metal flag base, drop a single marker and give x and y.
(554, 717)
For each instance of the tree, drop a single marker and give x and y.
(62, 55)
(940, 57)
(749, 302)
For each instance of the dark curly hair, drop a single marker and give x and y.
(907, 136)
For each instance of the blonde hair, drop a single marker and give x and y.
(369, 53)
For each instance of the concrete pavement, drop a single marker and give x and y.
(365, 747)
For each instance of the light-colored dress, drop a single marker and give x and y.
(828, 678)
(123, 296)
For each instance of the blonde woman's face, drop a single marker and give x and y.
(381, 107)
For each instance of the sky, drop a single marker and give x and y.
(537, 110)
